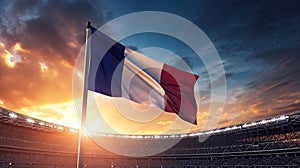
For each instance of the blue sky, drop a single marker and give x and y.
(258, 42)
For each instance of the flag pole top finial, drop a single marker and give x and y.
(88, 25)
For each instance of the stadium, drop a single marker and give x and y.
(274, 142)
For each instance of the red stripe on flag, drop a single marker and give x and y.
(172, 91)
(179, 92)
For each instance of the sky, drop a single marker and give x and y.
(258, 43)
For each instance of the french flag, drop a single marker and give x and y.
(118, 71)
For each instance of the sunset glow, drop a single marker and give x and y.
(41, 42)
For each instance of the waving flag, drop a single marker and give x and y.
(118, 71)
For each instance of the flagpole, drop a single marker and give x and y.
(82, 135)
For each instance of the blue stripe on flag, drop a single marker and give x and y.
(107, 79)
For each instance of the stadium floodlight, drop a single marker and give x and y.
(217, 131)
(60, 127)
(245, 126)
(283, 117)
(139, 137)
(13, 115)
(201, 133)
(208, 132)
(273, 120)
(30, 120)
(263, 122)
(184, 135)
(41, 123)
(72, 130)
(196, 134)
(177, 136)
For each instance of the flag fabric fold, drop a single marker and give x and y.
(118, 71)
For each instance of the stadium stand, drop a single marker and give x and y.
(28, 142)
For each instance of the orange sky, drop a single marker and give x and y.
(42, 88)
(40, 42)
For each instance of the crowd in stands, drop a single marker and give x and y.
(276, 145)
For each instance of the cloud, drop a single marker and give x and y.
(243, 32)
(237, 93)
(271, 92)
(48, 33)
(259, 55)
(60, 113)
(257, 41)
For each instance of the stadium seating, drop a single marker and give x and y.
(28, 142)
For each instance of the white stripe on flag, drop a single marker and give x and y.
(136, 79)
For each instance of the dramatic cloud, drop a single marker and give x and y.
(40, 41)
(258, 42)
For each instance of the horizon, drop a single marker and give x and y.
(13, 115)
